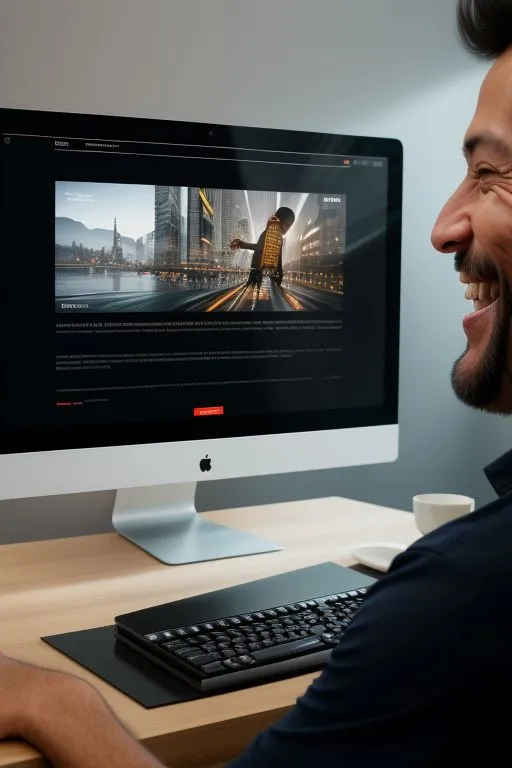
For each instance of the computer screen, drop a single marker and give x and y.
(178, 297)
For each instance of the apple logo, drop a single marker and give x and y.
(205, 464)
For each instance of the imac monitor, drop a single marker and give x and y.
(185, 302)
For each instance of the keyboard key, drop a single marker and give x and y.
(200, 661)
(232, 664)
(208, 626)
(173, 645)
(181, 632)
(246, 660)
(235, 621)
(194, 630)
(168, 634)
(187, 652)
(214, 668)
(287, 650)
(247, 618)
(154, 637)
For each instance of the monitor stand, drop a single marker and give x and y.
(163, 521)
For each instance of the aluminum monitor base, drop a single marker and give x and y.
(163, 521)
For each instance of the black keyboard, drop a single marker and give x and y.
(249, 647)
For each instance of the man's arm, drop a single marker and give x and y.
(238, 244)
(65, 719)
(389, 693)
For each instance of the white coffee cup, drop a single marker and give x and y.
(432, 510)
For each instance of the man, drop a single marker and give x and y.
(416, 680)
(284, 218)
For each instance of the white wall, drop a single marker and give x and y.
(375, 67)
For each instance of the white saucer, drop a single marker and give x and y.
(378, 554)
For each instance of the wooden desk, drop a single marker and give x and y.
(65, 585)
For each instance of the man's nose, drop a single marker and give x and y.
(452, 230)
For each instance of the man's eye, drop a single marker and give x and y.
(483, 172)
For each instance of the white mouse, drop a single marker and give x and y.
(378, 554)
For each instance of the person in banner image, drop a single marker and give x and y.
(423, 673)
(268, 251)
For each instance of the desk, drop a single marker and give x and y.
(66, 585)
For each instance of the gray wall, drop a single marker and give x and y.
(389, 68)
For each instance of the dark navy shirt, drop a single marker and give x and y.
(423, 675)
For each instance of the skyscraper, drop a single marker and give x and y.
(322, 242)
(117, 247)
(201, 225)
(149, 247)
(167, 226)
(139, 249)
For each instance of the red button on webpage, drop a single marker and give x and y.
(215, 410)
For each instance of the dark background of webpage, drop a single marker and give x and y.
(30, 348)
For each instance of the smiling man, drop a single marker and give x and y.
(476, 223)
(420, 677)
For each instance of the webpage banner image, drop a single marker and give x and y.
(138, 248)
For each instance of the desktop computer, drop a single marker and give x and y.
(187, 302)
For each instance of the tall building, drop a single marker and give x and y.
(149, 247)
(244, 232)
(139, 249)
(201, 225)
(322, 242)
(116, 256)
(167, 226)
(184, 225)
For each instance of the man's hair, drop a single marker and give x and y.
(286, 215)
(485, 26)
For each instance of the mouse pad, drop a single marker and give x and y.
(97, 650)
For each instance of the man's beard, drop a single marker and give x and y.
(484, 387)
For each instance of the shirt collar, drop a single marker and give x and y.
(499, 474)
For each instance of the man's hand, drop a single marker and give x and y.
(235, 244)
(17, 681)
(65, 718)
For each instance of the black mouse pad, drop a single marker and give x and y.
(97, 650)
